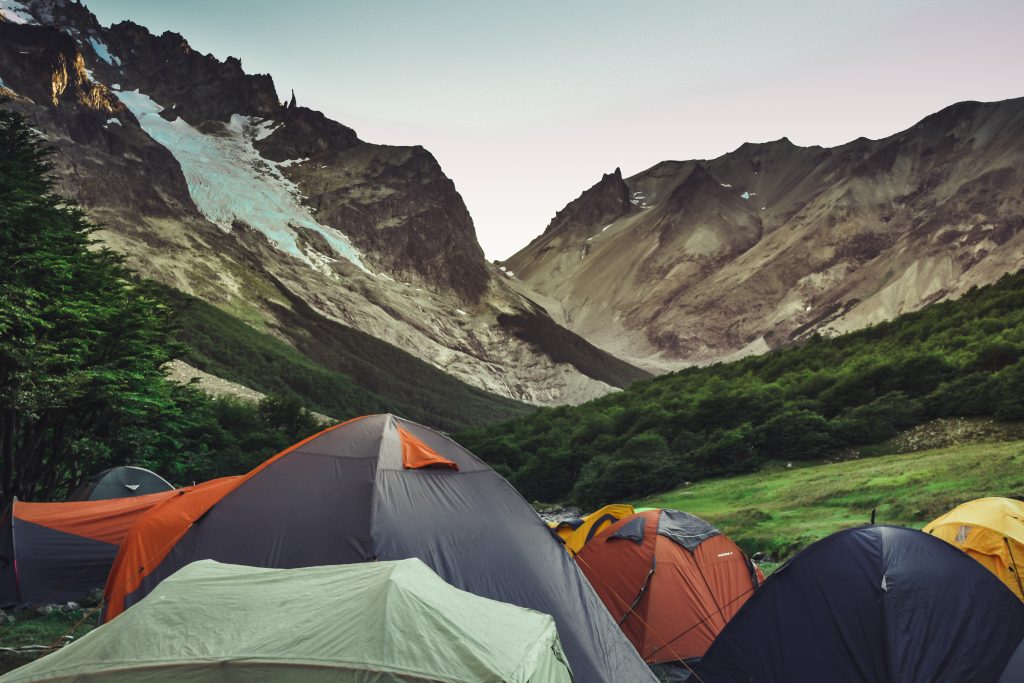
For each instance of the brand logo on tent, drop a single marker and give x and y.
(132, 487)
(725, 554)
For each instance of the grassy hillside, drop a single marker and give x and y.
(782, 510)
(959, 358)
(332, 368)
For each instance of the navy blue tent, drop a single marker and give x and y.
(1014, 672)
(878, 603)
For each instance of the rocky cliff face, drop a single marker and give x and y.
(208, 183)
(773, 242)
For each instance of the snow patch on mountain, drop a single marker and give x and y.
(230, 182)
(103, 52)
(16, 13)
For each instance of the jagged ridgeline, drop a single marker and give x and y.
(956, 358)
(691, 262)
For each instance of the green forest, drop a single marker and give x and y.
(958, 358)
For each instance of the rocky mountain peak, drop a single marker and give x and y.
(303, 133)
(774, 241)
(606, 201)
(191, 85)
(46, 66)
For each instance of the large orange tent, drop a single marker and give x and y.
(991, 530)
(671, 580)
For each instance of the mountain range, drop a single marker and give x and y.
(691, 262)
(286, 221)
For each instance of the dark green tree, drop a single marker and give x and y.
(81, 341)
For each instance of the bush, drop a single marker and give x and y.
(796, 434)
(644, 463)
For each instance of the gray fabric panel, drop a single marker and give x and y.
(357, 439)
(685, 529)
(1014, 671)
(55, 566)
(303, 510)
(121, 482)
(479, 535)
(632, 530)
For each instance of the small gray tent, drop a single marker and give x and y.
(377, 622)
(121, 482)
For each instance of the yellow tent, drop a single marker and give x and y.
(576, 532)
(991, 530)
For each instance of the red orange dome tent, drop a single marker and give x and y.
(670, 580)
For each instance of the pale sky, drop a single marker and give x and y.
(527, 102)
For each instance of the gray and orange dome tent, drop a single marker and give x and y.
(671, 580)
(382, 488)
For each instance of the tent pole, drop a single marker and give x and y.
(1016, 567)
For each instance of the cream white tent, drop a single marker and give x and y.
(380, 622)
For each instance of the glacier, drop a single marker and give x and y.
(229, 181)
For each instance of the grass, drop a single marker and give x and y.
(781, 510)
(49, 630)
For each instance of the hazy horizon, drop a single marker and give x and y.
(526, 105)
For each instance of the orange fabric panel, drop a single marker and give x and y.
(416, 454)
(681, 611)
(712, 583)
(108, 521)
(689, 597)
(156, 532)
(618, 568)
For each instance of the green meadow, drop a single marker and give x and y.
(781, 509)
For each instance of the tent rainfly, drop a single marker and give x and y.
(875, 603)
(53, 552)
(362, 623)
(672, 582)
(991, 530)
(382, 488)
(121, 482)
